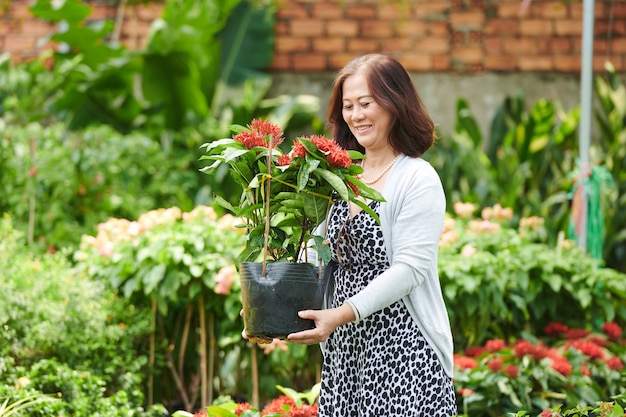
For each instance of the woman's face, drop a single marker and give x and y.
(368, 121)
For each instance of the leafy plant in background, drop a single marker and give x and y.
(611, 150)
(566, 367)
(67, 338)
(527, 283)
(59, 185)
(180, 265)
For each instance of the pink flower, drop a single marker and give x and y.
(464, 210)
(468, 250)
(224, 280)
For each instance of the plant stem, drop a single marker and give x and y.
(203, 352)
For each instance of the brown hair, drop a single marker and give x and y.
(412, 131)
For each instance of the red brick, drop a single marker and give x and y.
(618, 46)
(535, 63)
(468, 55)
(16, 44)
(494, 44)
(433, 45)
(500, 63)
(330, 44)
(618, 8)
(438, 28)
(149, 11)
(517, 46)
(281, 29)
(360, 12)
(293, 10)
(600, 46)
(326, 11)
(363, 45)
(338, 61)
(551, 10)
(416, 61)
(292, 44)
(397, 44)
(440, 62)
(576, 10)
(309, 62)
(536, 27)
(306, 27)
(342, 28)
(393, 12)
(475, 37)
(458, 37)
(510, 9)
(20, 10)
(281, 62)
(410, 28)
(568, 27)
(36, 28)
(376, 29)
(436, 10)
(560, 45)
(567, 63)
(100, 12)
(501, 27)
(473, 20)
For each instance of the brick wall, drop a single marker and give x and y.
(461, 36)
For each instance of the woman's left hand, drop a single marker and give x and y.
(326, 321)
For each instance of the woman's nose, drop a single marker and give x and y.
(357, 115)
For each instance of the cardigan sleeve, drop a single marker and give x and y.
(412, 223)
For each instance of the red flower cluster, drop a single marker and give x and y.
(287, 408)
(241, 407)
(495, 345)
(262, 133)
(612, 330)
(555, 329)
(335, 154)
(465, 362)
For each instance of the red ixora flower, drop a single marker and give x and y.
(614, 363)
(554, 329)
(262, 133)
(335, 154)
(588, 348)
(612, 330)
(267, 128)
(241, 407)
(465, 362)
(495, 345)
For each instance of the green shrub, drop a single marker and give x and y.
(66, 336)
(500, 281)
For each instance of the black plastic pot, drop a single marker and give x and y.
(271, 303)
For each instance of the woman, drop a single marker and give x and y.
(388, 345)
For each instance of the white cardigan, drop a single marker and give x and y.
(412, 221)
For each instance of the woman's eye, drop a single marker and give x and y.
(365, 104)
(347, 106)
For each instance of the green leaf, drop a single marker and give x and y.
(152, 278)
(335, 182)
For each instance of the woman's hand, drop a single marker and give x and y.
(326, 321)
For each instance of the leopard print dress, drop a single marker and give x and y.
(382, 365)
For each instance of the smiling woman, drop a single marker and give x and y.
(388, 345)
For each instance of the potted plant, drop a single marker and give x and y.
(285, 197)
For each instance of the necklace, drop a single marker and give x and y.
(382, 173)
